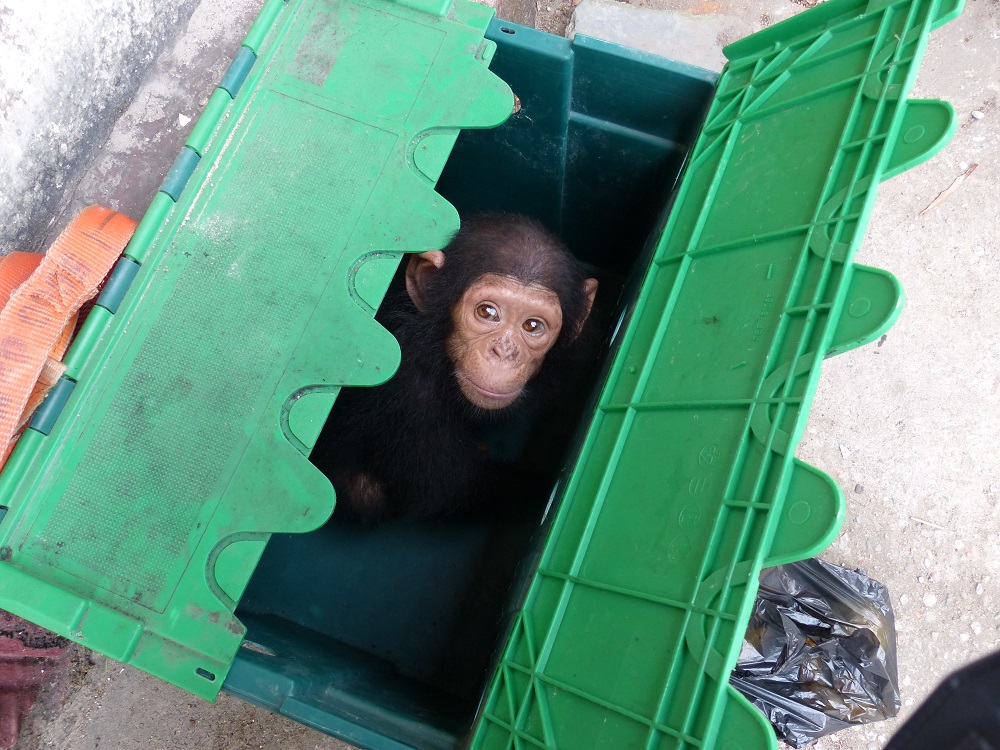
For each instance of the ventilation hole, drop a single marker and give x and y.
(505, 30)
(206, 674)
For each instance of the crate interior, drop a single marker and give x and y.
(389, 634)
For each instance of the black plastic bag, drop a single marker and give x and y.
(820, 651)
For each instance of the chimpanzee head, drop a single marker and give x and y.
(508, 294)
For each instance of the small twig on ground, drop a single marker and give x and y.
(946, 193)
(927, 523)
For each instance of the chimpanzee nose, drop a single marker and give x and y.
(504, 348)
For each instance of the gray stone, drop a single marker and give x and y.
(696, 39)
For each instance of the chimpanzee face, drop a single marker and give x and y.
(501, 331)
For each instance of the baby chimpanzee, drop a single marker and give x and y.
(490, 329)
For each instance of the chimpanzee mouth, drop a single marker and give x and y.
(495, 394)
(504, 398)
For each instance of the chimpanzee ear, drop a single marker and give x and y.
(589, 291)
(419, 270)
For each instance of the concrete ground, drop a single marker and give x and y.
(906, 426)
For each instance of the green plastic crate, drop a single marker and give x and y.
(136, 514)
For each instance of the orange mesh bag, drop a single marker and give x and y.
(39, 300)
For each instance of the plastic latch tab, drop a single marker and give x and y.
(238, 71)
(48, 412)
(873, 302)
(811, 516)
(179, 174)
(926, 126)
(118, 284)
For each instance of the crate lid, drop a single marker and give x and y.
(686, 485)
(135, 517)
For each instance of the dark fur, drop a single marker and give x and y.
(415, 447)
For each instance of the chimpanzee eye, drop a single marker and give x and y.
(533, 325)
(486, 311)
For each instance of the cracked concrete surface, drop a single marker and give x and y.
(906, 425)
(68, 70)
